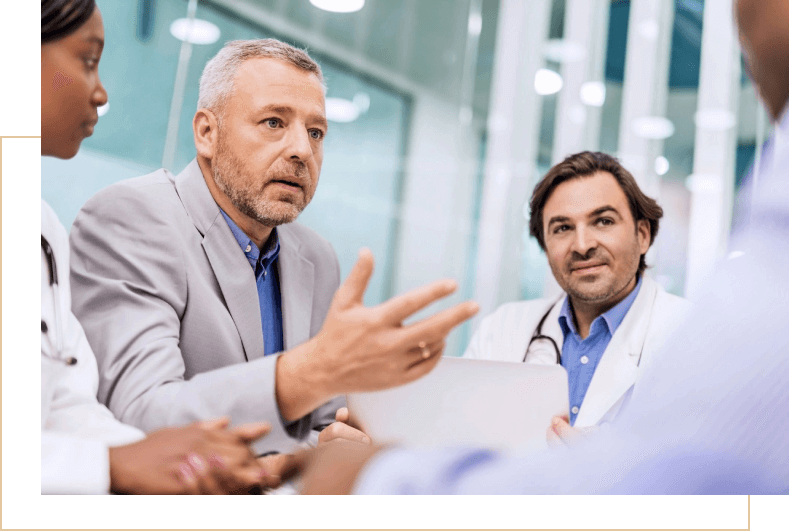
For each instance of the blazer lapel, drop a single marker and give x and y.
(296, 282)
(235, 277)
(618, 368)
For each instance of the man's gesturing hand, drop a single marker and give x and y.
(366, 349)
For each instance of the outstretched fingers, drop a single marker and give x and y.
(352, 290)
(399, 308)
(437, 327)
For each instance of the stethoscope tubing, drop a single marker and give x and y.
(539, 335)
(54, 284)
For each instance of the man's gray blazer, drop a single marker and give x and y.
(170, 306)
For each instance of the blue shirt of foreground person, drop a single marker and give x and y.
(711, 417)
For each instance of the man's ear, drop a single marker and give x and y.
(205, 128)
(643, 231)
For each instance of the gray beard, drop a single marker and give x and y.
(249, 202)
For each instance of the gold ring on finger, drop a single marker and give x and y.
(425, 351)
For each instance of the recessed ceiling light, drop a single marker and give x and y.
(195, 31)
(653, 127)
(703, 183)
(547, 82)
(341, 110)
(362, 101)
(715, 119)
(474, 23)
(102, 110)
(563, 51)
(593, 93)
(649, 29)
(338, 6)
(661, 165)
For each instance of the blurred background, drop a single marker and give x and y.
(444, 115)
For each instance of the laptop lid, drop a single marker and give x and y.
(462, 402)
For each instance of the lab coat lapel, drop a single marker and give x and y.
(618, 368)
(233, 273)
(296, 281)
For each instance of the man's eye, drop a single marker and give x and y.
(561, 228)
(605, 221)
(91, 62)
(316, 134)
(272, 123)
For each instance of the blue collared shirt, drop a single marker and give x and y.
(581, 356)
(267, 278)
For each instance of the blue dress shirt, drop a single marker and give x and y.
(267, 278)
(581, 356)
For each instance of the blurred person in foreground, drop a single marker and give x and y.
(712, 414)
(230, 306)
(84, 449)
(595, 225)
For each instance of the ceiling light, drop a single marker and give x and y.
(715, 119)
(593, 93)
(362, 101)
(562, 51)
(338, 6)
(341, 110)
(547, 82)
(661, 165)
(195, 31)
(653, 127)
(649, 29)
(703, 183)
(102, 110)
(474, 23)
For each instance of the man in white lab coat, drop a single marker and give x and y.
(595, 226)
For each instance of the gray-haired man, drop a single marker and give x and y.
(211, 279)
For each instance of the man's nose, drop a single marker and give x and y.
(299, 147)
(584, 241)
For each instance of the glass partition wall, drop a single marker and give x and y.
(443, 116)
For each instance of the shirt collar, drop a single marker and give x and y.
(612, 318)
(251, 251)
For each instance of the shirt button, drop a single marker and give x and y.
(249, 248)
(584, 360)
(575, 410)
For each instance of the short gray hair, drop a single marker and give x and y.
(216, 82)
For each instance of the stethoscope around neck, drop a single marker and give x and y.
(539, 336)
(45, 329)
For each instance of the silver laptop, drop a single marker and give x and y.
(488, 404)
